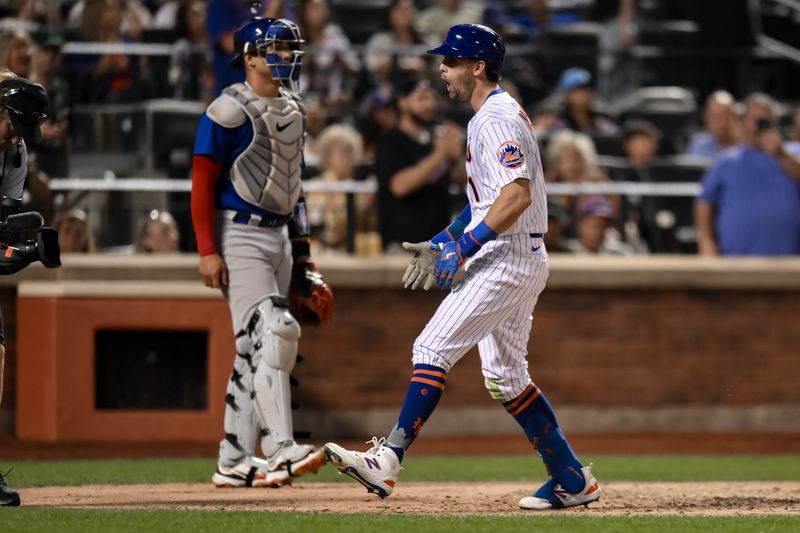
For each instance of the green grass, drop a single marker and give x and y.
(492, 468)
(90, 521)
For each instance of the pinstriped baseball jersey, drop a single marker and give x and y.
(492, 305)
(501, 147)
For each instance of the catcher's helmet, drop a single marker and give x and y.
(244, 39)
(265, 37)
(475, 42)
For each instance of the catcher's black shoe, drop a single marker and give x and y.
(8, 497)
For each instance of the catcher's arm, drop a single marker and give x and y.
(420, 268)
(310, 298)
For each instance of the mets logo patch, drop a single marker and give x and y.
(510, 155)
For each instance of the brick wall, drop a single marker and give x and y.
(604, 348)
(588, 347)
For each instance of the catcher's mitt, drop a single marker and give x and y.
(310, 298)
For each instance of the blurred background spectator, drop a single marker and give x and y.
(640, 144)
(385, 65)
(578, 110)
(340, 148)
(74, 235)
(434, 21)
(158, 234)
(16, 49)
(595, 227)
(525, 24)
(750, 201)
(331, 73)
(721, 127)
(190, 74)
(415, 167)
(378, 115)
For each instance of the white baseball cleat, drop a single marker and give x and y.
(376, 469)
(245, 475)
(553, 496)
(297, 459)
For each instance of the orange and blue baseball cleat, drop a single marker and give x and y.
(376, 469)
(551, 495)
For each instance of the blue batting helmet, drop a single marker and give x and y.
(475, 42)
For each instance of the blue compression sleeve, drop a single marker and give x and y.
(456, 227)
(471, 241)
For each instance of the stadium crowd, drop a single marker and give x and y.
(376, 111)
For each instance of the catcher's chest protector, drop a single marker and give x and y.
(267, 173)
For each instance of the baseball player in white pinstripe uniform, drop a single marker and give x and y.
(498, 240)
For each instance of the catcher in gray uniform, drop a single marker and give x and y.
(250, 221)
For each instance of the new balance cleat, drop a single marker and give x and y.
(376, 469)
(297, 459)
(245, 475)
(552, 496)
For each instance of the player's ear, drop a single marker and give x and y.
(478, 67)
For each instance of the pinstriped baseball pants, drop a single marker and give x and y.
(492, 307)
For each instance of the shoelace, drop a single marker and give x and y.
(376, 445)
(3, 476)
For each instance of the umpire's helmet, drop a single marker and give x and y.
(27, 104)
(475, 42)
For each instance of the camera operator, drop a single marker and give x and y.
(23, 107)
(750, 199)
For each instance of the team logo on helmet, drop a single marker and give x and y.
(510, 155)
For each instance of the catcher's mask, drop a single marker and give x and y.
(27, 104)
(282, 36)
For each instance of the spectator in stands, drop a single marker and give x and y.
(331, 71)
(158, 234)
(434, 22)
(414, 169)
(46, 12)
(106, 77)
(190, 74)
(618, 69)
(794, 130)
(383, 62)
(721, 125)
(526, 24)
(378, 115)
(571, 158)
(52, 153)
(340, 149)
(74, 235)
(579, 111)
(558, 220)
(640, 144)
(750, 200)
(596, 231)
(15, 52)
(224, 17)
(134, 16)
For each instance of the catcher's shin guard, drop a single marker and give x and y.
(241, 422)
(275, 334)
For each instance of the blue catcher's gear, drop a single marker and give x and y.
(283, 35)
(245, 39)
(475, 42)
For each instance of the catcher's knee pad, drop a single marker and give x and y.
(275, 333)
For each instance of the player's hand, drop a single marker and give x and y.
(446, 264)
(420, 269)
(213, 272)
(448, 141)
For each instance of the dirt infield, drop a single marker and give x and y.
(622, 498)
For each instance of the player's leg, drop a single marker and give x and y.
(467, 314)
(8, 497)
(505, 369)
(250, 281)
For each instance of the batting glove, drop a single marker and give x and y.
(420, 268)
(446, 264)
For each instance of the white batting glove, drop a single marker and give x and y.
(420, 269)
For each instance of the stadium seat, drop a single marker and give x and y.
(673, 110)
(360, 19)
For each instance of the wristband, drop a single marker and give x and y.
(472, 241)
